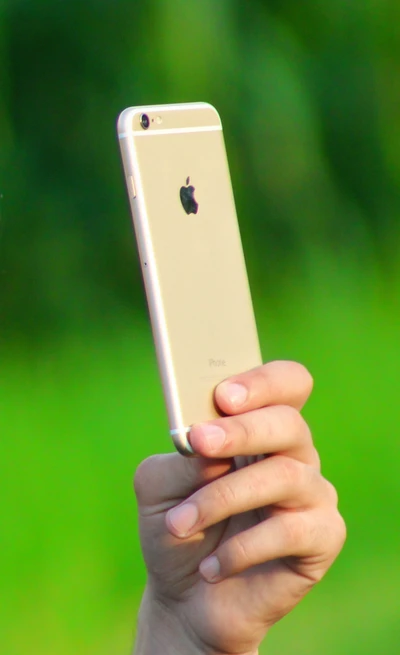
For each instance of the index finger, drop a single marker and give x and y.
(275, 383)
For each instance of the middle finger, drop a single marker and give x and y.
(279, 481)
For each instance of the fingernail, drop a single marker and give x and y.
(210, 569)
(235, 393)
(214, 436)
(183, 518)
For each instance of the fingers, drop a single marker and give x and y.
(278, 481)
(275, 429)
(161, 479)
(314, 538)
(276, 383)
(165, 477)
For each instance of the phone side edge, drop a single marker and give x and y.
(178, 431)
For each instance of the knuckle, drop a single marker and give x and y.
(305, 377)
(315, 459)
(298, 425)
(301, 376)
(290, 471)
(305, 432)
(143, 474)
(340, 531)
(330, 533)
(295, 532)
(331, 493)
(242, 430)
(239, 553)
(223, 494)
(250, 428)
(291, 416)
(262, 379)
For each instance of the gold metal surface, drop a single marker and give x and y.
(195, 276)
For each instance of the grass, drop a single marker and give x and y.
(76, 419)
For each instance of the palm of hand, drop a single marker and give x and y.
(235, 612)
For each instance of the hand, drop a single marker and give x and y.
(234, 539)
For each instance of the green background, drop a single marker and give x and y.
(309, 95)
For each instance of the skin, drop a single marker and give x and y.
(266, 524)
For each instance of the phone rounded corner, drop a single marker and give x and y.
(181, 443)
(124, 121)
(215, 112)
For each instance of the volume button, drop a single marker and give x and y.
(131, 187)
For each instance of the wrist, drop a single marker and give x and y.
(160, 632)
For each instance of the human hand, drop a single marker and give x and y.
(265, 524)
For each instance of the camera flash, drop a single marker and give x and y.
(158, 120)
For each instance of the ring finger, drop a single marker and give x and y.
(279, 481)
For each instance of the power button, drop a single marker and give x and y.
(131, 187)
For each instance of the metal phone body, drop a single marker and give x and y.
(191, 255)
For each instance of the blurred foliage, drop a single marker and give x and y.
(309, 97)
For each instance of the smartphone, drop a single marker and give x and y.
(191, 255)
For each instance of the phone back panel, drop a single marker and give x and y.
(193, 265)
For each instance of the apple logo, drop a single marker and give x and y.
(188, 201)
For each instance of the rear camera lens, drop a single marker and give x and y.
(144, 121)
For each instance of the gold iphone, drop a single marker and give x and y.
(192, 261)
